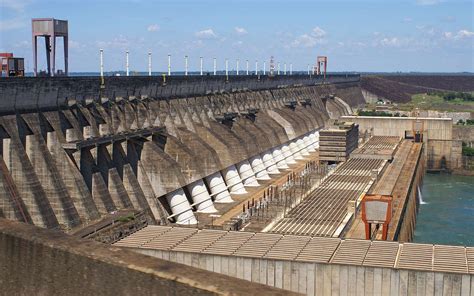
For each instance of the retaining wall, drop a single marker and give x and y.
(37, 261)
(326, 279)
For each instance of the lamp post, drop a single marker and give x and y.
(200, 67)
(169, 65)
(149, 63)
(126, 63)
(185, 65)
(101, 63)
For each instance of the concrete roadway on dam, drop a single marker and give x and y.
(399, 180)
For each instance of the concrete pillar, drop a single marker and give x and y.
(288, 154)
(181, 208)
(233, 181)
(51, 182)
(259, 169)
(201, 198)
(246, 174)
(103, 129)
(269, 162)
(279, 158)
(295, 150)
(87, 132)
(71, 135)
(27, 183)
(218, 188)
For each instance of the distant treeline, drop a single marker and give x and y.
(449, 96)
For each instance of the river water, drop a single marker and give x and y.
(446, 215)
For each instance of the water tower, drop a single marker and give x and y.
(49, 28)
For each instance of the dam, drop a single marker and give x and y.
(220, 175)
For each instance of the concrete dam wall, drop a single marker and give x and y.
(30, 94)
(68, 166)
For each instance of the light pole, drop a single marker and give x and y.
(200, 65)
(226, 67)
(237, 67)
(101, 63)
(126, 63)
(169, 65)
(149, 63)
(185, 65)
(215, 66)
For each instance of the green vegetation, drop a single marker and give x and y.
(467, 122)
(467, 151)
(451, 96)
(441, 101)
(127, 218)
(378, 113)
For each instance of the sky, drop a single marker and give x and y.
(362, 36)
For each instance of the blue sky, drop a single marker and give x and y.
(370, 35)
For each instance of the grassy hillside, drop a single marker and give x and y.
(437, 102)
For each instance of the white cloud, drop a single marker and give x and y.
(460, 35)
(118, 42)
(16, 5)
(76, 45)
(407, 20)
(153, 28)
(465, 34)
(206, 34)
(427, 2)
(240, 31)
(390, 42)
(318, 32)
(13, 24)
(22, 44)
(304, 40)
(315, 37)
(382, 40)
(237, 43)
(448, 19)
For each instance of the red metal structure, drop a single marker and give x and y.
(376, 209)
(11, 66)
(321, 61)
(49, 28)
